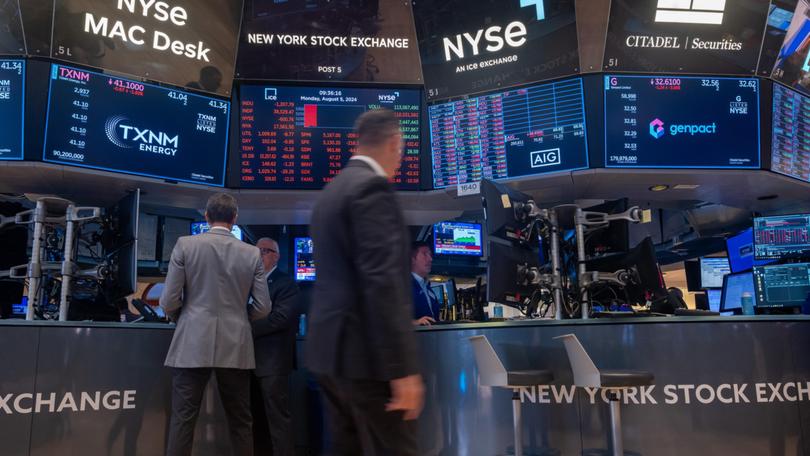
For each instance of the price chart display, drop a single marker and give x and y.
(681, 122)
(791, 133)
(115, 124)
(519, 132)
(301, 137)
(12, 100)
(783, 236)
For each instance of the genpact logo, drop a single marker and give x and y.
(496, 36)
(124, 135)
(657, 128)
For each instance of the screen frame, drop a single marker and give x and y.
(703, 285)
(769, 165)
(635, 75)
(477, 254)
(295, 260)
(232, 173)
(772, 259)
(725, 288)
(104, 73)
(23, 95)
(757, 302)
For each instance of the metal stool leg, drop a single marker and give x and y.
(616, 424)
(517, 422)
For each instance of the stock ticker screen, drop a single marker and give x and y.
(115, 124)
(519, 132)
(301, 137)
(784, 285)
(12, 101)
(791, 134)
(783, 236)
(681, 122)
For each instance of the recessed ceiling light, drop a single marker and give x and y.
(685, 187)
(659, 188)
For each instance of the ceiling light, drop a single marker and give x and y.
(659, 188)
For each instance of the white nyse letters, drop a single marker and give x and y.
(514, 34)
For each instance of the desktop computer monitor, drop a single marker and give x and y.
(642, 263)
(712, 271)
(734, 285)
(503, 210)
(714, 299)
(692, 270)
(506, 278)
(783, 236)
(783, 285)
(740, 248)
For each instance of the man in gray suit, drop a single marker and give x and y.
(211, 277)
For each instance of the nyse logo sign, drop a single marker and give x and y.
(690, 11)
(543, 158)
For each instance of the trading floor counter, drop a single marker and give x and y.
(723, 385)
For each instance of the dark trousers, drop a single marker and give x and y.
(357, 423)
(188, 386)
(275, 398)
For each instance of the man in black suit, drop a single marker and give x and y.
(274, 342)
(360, 340)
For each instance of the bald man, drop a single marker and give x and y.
(274, 343)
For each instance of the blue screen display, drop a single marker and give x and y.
(12, 101)
(733, 289)
(203, 227)
(115, 124)
(681, 122)
(455, 238)
(304, 261)
(519, 132)
(741, 252)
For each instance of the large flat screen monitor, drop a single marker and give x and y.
(204, 227)
(784, 285)
(457, 238)
(681, 122)
(12, 108)
(114, 124)
(304, 261)
(712, 271)
(518, 132)
(791, 134)
(700, 36)
(300, 137)
(782, 237)
(188, 43)
(740, 250)
(734, 285)
(472, 46)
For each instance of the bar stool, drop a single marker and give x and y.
(586, 375)
(492, 373)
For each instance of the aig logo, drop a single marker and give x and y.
(543, 158)
(494, 37)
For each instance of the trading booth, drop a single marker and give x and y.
(633, 172)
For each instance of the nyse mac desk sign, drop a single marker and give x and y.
(473, 46)
(114, 124)
(710, 36)
(359, 41)
(12, 99)
(681, 122)
(183, 42)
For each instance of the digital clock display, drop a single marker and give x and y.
(681, 122)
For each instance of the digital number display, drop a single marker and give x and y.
(12, 104)
(115, 124)
(520, 132)
(681, 122)
(791, 134)
(301, 137)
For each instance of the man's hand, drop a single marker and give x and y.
(424, 321)
(408, 395)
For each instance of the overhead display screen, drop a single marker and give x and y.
(689, 36)
(474, 46)
(782, 237)
(12, 102)
(301, 137)
(342, 40)
(792, 65)
(189, 43)
(681, 122)
(533, 130)
(791, 134)
(115, 124)
(12, 40)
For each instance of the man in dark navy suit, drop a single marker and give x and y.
(274, 343)
(425, 302)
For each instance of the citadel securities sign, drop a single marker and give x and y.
(710, 36)
(490, 45)
(182, 42)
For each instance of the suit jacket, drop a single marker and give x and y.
(210, 278)
(360, 318)
(274, 336)
(424, 305)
